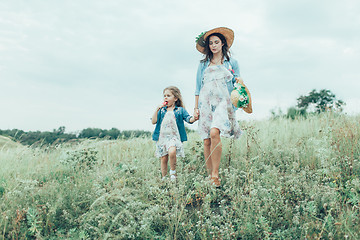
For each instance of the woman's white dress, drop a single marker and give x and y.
(169, 137)
(216, 110)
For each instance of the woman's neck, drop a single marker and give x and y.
(217, 59)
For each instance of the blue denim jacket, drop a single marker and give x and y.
(231, 65)
(181, 115)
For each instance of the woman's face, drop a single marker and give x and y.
(215, 44)
(169, 98)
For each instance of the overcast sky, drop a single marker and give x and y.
(104, 64)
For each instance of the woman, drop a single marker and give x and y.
(215, 80)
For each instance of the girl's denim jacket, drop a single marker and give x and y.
(181, 115)
(233, 67)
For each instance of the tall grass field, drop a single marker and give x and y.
(283, 179)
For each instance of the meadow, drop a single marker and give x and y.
(283, 179)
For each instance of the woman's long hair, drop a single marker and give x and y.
(176, 92)
(225, 49)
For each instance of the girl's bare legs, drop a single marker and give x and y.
(216, 149)
(164, 161)
(164, 165)
(172, 155)
(209, 166)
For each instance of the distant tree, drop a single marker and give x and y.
(60, 130)
(322, 101)
(90, 133)
(113, 133)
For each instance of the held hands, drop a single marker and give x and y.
(196, 114)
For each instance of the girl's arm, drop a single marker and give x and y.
(186, 116)
(155, 115)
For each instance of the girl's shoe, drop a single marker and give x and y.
(215, 181)
(173, 177)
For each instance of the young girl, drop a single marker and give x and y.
(169, 131)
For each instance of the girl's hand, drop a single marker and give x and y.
(162, 105)
(159, 107)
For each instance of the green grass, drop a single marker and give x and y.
(283, 179)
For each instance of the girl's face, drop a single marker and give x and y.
(169, 98)
(215, 44)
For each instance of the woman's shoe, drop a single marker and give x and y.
(215, 181)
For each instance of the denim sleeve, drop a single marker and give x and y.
(198, 80)
(186, 116)
(235, 67)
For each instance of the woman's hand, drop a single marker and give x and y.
(240, 81)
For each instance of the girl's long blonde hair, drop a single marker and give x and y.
(176, 92)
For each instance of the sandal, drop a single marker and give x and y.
(215, 181)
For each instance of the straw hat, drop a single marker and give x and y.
(241, 98)
(227, 32)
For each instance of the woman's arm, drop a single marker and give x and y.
(198, 78)
(235, 66)
(197, 90)
(196, 109)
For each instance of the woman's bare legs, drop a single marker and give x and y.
(207, 144)
(212, 152)
(216, 149)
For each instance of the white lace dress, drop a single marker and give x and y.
(216, 110)
(169, 137)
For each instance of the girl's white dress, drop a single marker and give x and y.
(169, 137)
(216, 110)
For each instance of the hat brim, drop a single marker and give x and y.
(248, 108)
(226, 32)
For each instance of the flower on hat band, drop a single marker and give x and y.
(200, 39)
(200, 36)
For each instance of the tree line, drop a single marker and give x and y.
(59, 135)
(312, 103)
